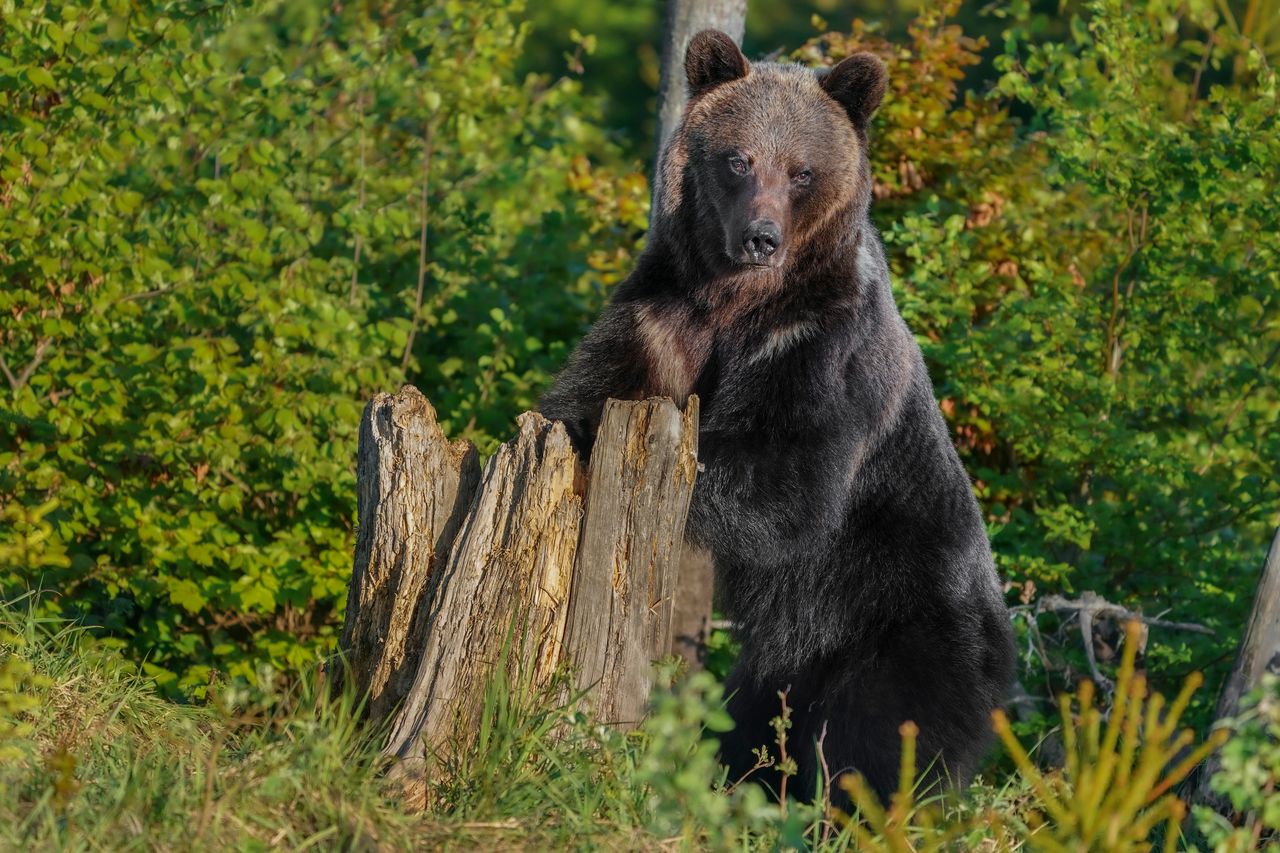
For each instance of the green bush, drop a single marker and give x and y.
(221, 229)
(1096, 287)
(1249, 776)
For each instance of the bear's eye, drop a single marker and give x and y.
(738, 164)
(802, 178)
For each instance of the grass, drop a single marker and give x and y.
(91, 757)
(98, 760)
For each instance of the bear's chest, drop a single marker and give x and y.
(681, 345)
(675, 343)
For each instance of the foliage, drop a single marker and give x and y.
(17, 694)
(1249, 776)
(221, 228)
(1098, 301)
(107, 762)
(615, 48)
(1117, 782)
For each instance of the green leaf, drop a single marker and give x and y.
(41, 77)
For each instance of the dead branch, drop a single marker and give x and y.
(1095, 606)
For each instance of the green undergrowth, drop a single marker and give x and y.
(92, 757)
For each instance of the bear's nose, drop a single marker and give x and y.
(761, 239)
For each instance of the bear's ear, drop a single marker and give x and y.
(857, 83)
(711, 59)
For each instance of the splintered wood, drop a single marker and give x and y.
(504, 592)
(461, 576)
(413, 487)
(642, 472)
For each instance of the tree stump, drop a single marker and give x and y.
(503, 595)
(642, 472)
(1259, 652)
(526, 566)
(413, 488)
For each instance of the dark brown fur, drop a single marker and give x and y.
(849, 548)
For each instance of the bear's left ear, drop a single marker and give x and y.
(712, 58)
(857, 83)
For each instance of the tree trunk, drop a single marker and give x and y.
(414, 487)
(460, 576)
(1259, 652)
(642, 473)
(685, 18)
(691, 621)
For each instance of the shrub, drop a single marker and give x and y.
(1085, 256)
(1249, 777)
(221, 228)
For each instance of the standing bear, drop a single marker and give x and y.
(849, 549)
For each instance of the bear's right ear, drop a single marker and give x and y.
(858, 84)
(711, 59)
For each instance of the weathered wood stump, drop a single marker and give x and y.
(504, 591)
(530, 565)
(412, 488)
(642, 472)
(1259, 653)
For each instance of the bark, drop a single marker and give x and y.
(1259, 652)
(502, 598)
(685, 18)
(414, 487)
(642, 474)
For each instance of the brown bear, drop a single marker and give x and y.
(849, 549)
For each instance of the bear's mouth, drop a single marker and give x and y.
(770, 263)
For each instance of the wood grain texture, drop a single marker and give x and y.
(642, 474)
(413, 489)
(503, 595)
(1260, 649)
(1259, 653)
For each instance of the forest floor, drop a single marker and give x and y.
(92, 757)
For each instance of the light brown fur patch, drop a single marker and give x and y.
(781, 340)
(675, 351)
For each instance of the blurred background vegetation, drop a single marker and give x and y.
(223, 226)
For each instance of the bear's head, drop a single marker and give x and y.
(768, 154)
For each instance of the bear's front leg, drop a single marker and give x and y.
(765, 499)
(605, 364)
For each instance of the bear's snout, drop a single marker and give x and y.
(761, 239)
